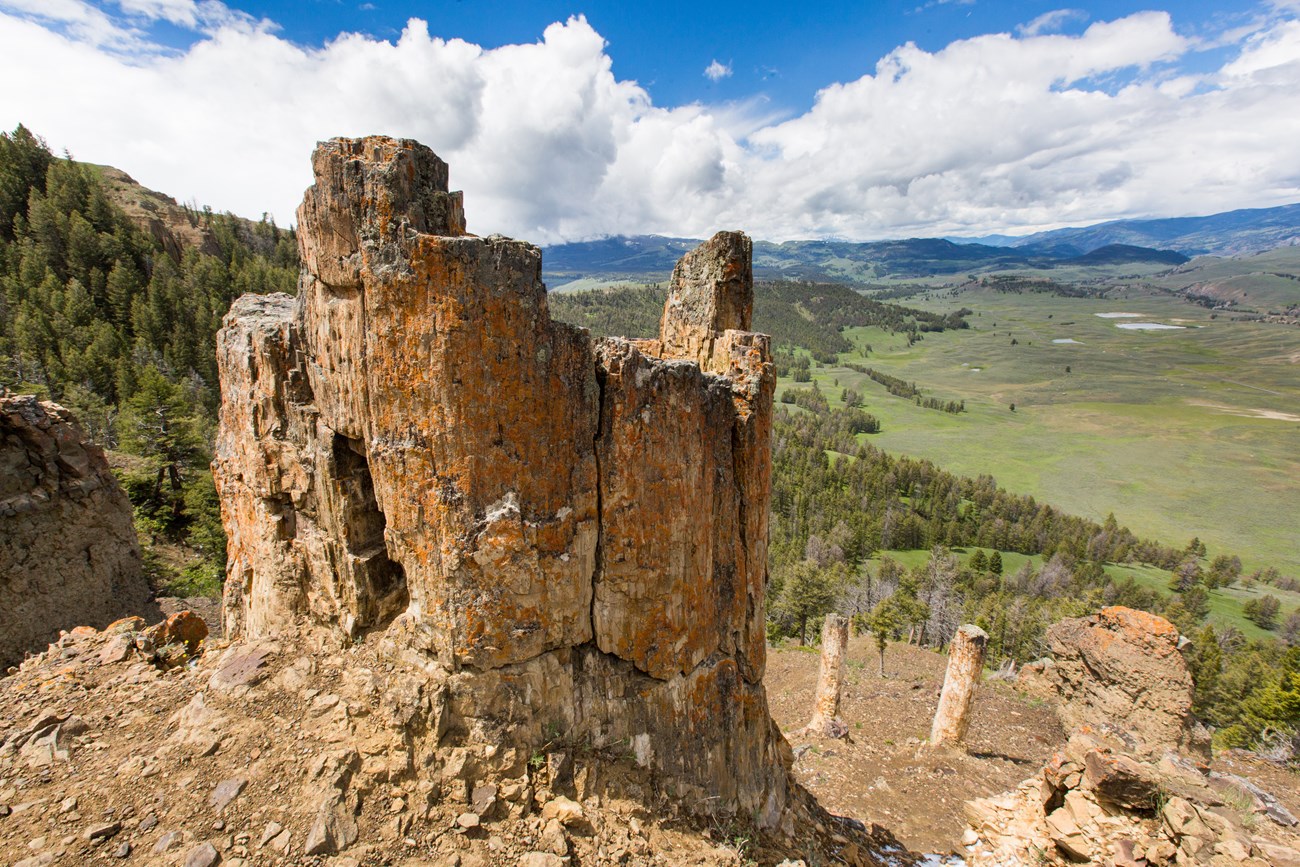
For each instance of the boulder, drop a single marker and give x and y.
(1121, 670)
(68, 550)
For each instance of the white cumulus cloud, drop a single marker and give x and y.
(716, 71)
(1001, 131)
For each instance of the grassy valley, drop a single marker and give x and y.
(1181, 432)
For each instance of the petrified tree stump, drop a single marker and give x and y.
(541, 528)
(965, 663)
(826, 708)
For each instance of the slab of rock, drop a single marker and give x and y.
(551, 529)
(1121, 669)
(203, 855)
(68, 550)
(184, 627)
(1119, 780)
(226, 791)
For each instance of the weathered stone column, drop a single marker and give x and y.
(965, 663)
(826, 707)
(548, 530)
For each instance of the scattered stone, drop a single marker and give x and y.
(101, 832)
(123, 850)
(468, 820)
(541, 859)
(334, 828)
(168, 841)
(226, 791)
(40, 860)
(117, 650)
(566, 810)
(149, 822)
(242, 665)
(184, 628)
(270, 832)
(553, 838)
(483, 798)
(1120, 780)
(203, 855)
(280, 842)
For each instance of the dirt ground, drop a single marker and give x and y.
(882, 774)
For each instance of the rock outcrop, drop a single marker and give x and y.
(1120, 669)
(1130, 787)
(68, 550)
(565, 538)
(1096, 803)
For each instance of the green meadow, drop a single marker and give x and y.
(1180, 433)
(1225, 603)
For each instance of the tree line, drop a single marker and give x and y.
(95, 314)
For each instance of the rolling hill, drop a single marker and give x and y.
(1232, 233)
(650, 258)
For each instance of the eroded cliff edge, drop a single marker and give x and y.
(552, 533)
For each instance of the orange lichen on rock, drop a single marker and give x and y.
(548, 527)
(1121, 669)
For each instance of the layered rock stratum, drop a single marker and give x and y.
(561, 535)
(68, 550)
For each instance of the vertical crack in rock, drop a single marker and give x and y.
(383, 579)
(573, 531)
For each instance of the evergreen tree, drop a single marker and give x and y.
(995, 563)
(159, 422)
(808, 591)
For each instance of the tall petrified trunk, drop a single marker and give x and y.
(826, 707)
(554, 531)
(965, 665)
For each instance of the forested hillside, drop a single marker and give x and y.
(805, 315)
(837, 501)
(97, 315)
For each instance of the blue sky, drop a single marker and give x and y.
(572, 120)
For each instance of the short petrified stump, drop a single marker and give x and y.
(965, 664)
(826, 708)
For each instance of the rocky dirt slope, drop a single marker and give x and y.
(122, 749)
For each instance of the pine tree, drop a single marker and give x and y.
(995, 563)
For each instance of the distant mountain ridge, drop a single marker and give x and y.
(651, 258)
(1231, 233)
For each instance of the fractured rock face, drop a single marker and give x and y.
(1121, 669)
(558, 532)
(68, 550)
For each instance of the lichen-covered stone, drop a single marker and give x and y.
(1121, 668)
(68, 550)
(555, 533)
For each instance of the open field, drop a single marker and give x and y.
(1180, 433)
